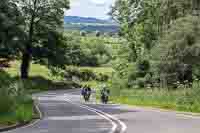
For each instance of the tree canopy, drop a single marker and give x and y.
(153, 29)
(36, 26)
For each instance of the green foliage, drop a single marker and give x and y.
(24, 113)
(6, 101)
(38, 32)
(11, 29)
(160, 29)
(15, 101)
(85, 74)
(83, 33)
(95, 52)
(98, 34)
(179, 50)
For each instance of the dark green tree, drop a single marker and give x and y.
(11, 31)
(43, 22)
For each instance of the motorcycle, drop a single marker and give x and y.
(104, 98)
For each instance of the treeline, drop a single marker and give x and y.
(162, 47)
(92, 27)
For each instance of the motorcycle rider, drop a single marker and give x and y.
(105, 94)
(86, 92)
(83, 92)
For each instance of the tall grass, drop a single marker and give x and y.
(184, 98)
(14, 101)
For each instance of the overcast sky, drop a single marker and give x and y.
(90, 8)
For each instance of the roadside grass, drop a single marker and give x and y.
(23, 113)
(154, 98)
(182, 99)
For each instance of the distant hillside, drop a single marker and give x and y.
(76, 19)
(89, 24)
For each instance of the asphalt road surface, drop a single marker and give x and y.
(65, 112)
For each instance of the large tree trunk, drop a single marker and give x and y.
(27, 53)
(26, 59)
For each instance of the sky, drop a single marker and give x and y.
(90, 8)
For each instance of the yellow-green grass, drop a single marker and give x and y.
(186, 100)
(41, 78)
(153, 98)
(35, 70)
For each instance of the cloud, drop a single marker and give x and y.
(90, 8)
(75, 3)
(101, 2)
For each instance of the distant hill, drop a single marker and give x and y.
(89, 24)
(76, 19)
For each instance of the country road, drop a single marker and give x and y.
(64, 112)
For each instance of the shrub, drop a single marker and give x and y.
(143, 67)
(140, 82)
(12, 96)
(87, 74)
(189, 101)
(102, 77)
(7, 102)
(24, 113)
(6, 99)
(117, 84)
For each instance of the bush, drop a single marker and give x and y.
(87, 74)
(102, 77)
(143, 67)
(140, 82)
(70, 72)
(189, 101)
(7, 101)
(84, 74)
(117, 85)
(12, 96)
(24, 113)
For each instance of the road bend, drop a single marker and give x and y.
(65, 112)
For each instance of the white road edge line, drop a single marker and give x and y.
(123, 125)
(106, 116)
(114, 128)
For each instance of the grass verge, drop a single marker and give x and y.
(23, 113)
(182, 99)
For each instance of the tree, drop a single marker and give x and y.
(139, 24)
(143, 23)
(43, 20)
(178, 53)
(83, 33)
(11, 29)
(97, 34)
